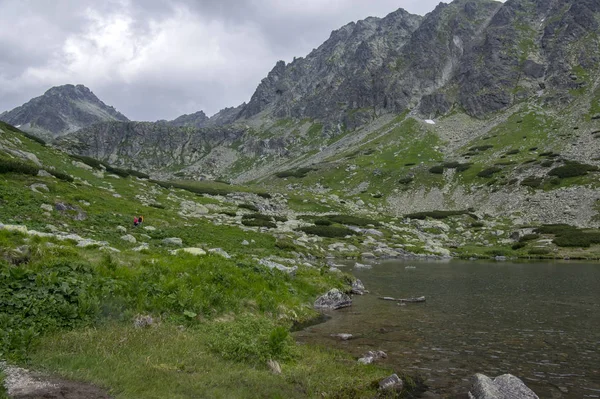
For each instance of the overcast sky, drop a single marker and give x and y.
(158, 59)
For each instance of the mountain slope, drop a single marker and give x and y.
(61, 110)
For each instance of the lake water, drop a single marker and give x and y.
(538, 321)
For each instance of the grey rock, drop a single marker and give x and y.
(142, 321)
(367, 255)
(245, 242)
(173, 241)
(393, 382)
(372, 356)
(129, 238)
(274, 265)
(506, 386)
(220, 252)
(358, 287)
(121, 229)
(74, 212)
(343, 336)
(47, 207)
(334, 299)
(38, 187)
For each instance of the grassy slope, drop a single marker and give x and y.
(182, 290)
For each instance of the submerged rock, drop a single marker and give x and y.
(334, 299)
(506, 386)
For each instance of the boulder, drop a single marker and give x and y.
(149, 228)
(121, 229)
(393, 382)
(81, 165)
(38, 187)
(220, 251)
(358, 287)
(129, 238)
(192, 209)
(367, 255)
(47, 207)
(194, 251)
(274, 265)
(173, 241)
(371, 356)
(334, 299)
(143, 246)
(506, 386)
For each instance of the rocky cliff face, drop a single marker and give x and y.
(479, 56)
(61, 110)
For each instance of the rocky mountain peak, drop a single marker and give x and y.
(61, 110)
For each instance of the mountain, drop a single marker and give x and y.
(479, 104)
(197, 119)
(61, 110)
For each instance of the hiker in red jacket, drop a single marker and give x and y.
(136, 221)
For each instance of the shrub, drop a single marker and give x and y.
(477, 224)
(94, 163)
(577, 239)
(512, 152)
(406, 180)
(529, 237)
(259, 223)
(438, 169)
(328, 231)
(117, 171)
(532, 181)
(572, 169)
(528, 161)
(250, 207)
(228, 213)
(451, 165)
(481, 148)
(352, 220)
(435, 214)
(15, 166)
(135, 173)
(489, 172)
(61, 175)
(264, 195)
(539, 251)
(323, 222)
(463, 166)
(410, 164)
(547, 163)
(556, 229)
(192, 188)
(533, 149)
(299, 173)
(518, 245)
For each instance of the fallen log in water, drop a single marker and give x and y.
(412, 300)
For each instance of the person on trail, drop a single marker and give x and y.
(136, 221)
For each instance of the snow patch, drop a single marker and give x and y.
(429, 121)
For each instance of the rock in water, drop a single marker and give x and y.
(393, 382)
(358, 287)
(334, 299)
(506, 386)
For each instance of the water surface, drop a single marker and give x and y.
(538, 321)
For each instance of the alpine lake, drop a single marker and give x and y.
(539, 321)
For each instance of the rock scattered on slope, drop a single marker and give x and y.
(173, 241)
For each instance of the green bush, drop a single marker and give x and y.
(136, 173)
(572, 169)
(518, 245)
(117, 171)
(512, 152)
(250, 207)
(258, 223)
(406, 180)
(328, 231)
(436, 214)
(229, 213)
(477, 224)
(299, 173)
(192, 188)
(352, 220)
(547, 163)
(489, 172)
(323, 222)
(264, 195)
(61, 175)
(481, 148)
(532, 181)
(539, 251)
(529, 237)
(556, 229)
(251, 339)
(94, 163)
(438, 169)
(451, 165)
(15, 166)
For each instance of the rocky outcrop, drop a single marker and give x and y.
(61, 110)
(506, 386)
(334, 299)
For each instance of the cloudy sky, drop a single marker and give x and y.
(158, 59)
